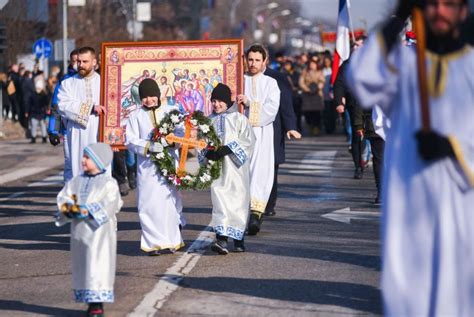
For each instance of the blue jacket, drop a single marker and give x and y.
(54, 126)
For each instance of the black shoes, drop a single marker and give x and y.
(220, 245)
(123, 189)
(377, 200)
(132, 179)
(154, 253)
(270, 213)
(254, 223)
(358, 173)
(239, 246)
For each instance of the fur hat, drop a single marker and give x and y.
(222, 92)
(100, 153)
(148, 88)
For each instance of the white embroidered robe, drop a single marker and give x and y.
(76, 99)
(159, 204)
(94, 240)
(428, 211)
(230, 193)
(264, 100)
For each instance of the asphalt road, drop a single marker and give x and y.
(319, 256)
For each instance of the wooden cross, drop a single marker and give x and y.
(187, 142)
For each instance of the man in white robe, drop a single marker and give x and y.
(159, 204)
(428, 196)
(230, 193)
(261, 100)
(79, 105)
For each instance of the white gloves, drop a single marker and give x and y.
(155, 147)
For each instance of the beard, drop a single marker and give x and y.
(84, 72)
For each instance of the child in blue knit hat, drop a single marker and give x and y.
(89, 202)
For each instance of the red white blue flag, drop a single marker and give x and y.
(343, 48)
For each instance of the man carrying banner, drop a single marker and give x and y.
(428, 218)
(261, 100)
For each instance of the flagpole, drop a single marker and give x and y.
(419, 27)
(350, 20)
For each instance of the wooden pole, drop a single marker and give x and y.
(419, 27)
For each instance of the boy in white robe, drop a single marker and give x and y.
(230, 193)
(428, 218)
(159, 204)
(90, 202)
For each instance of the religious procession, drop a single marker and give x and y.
(237, 158)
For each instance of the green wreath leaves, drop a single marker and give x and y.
(165, 162)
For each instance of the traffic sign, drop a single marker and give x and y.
(43, 48)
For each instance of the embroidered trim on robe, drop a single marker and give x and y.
(239, 157)
(230, 232)
(94, 296)
(256, 205)
(254, 113)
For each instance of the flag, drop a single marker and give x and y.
(343, 48)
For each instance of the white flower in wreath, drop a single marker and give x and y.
(188, 178)
(163, 130)
(174, 118)
(165, 125)
(163, 142)
(205, 178)
(164, 172)
(194, 122)
(160, 155)
(204, 128)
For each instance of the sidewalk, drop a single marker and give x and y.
(11, 131)
(19, 158)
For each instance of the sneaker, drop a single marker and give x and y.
(254, 223)
(239, 246)
(220, 246)
(95, 310)
(358, 173)
(123, 189)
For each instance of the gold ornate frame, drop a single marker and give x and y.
(155, 59)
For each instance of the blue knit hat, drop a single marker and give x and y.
(100, 153)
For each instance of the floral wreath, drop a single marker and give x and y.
(165, 163)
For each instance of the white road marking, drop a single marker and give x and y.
(169, 283)
(48, 181)
(22, 172)
(315, 162)
(345, 215)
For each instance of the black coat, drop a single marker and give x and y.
(285, 119)
(361, 119)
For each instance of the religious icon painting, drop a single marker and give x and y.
(186, 73)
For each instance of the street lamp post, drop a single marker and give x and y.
(65, 36)
(273, 37)
(268, 6)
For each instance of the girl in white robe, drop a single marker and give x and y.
(89, 202)
(230, 193)
(159, 204)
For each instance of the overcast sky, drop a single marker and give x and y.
(372, 11)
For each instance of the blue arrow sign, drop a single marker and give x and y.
(42, 47)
